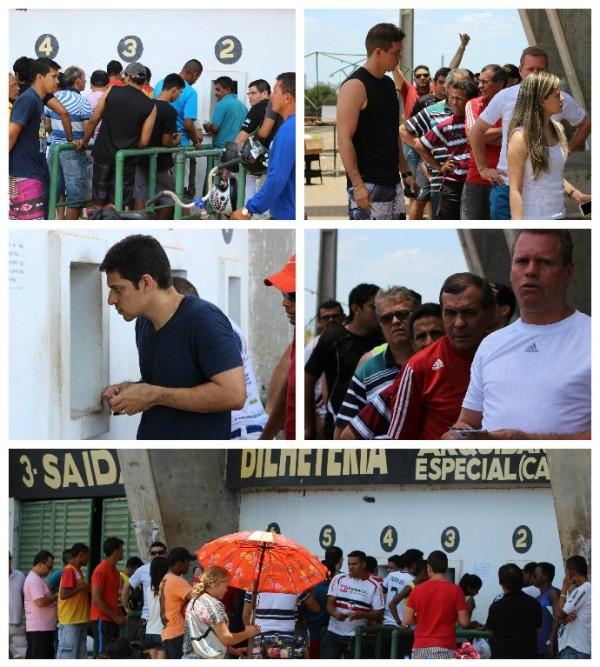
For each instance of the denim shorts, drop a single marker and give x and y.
(75, 176)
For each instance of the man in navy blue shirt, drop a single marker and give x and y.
(27, 167)
(278, 193)
(190, 363)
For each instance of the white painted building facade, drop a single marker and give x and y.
(244, 44)
(481, 521)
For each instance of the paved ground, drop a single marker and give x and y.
(327, 200)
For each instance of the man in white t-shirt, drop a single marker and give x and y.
(397, 580)
(532, 379)
(353, 600)
(533, 59)
(575, 611)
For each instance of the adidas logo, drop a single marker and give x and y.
(531, 348)
(437, 365)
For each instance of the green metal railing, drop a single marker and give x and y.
(180, 155)
(152, 153)
(381, 631)
(55, 152)
(210, 155)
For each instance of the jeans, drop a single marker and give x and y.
(475, 202)
(500, 202)
(336, 646)
(570, 653)
(72, 641)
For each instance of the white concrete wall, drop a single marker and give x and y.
(41, 327)
(170, 37)
(485, 519)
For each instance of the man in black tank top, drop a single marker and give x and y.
(368, 116)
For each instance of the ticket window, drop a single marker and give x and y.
(79, 336)
(240, 84)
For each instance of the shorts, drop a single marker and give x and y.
(432, 653)
(165, 180)
(75, 169)
(103, 183)
(27, 199)
(152, 641)
(387, 203)
(173, 647)
(423, 185)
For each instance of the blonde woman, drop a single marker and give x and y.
(537, 152)
(209, 612)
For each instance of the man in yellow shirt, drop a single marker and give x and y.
(74, 606)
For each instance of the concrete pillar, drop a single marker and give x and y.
(142, 499)
(570, 475)
(487, 252)
(327, 280)
(178, 496)
(269, 331)
(565, 34)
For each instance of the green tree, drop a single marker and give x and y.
(317, 96)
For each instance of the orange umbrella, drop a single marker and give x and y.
(263, 561)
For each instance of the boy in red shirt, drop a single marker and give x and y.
(436, 606)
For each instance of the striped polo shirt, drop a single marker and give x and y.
(450, 133)
(373, 375)
(277, 612)
(420, 124)
(79, 110)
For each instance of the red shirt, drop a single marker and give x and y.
(107, 578)
(427, 394)
(290, 402)
(436, 604)
(492, 153)
(409, 95)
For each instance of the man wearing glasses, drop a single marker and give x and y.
(430, 388)
(393, 307)
(40, 608)
(141, 577)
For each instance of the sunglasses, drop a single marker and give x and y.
(157, 553)
(400, 315)
(422, 76)
(290, 296)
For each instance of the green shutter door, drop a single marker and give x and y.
(116, 522)
(53, 525)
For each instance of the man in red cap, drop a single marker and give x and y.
(283, 413)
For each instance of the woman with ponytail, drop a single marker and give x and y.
(210, 615)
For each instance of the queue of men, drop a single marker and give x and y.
(459, 370)
(529, 617)
(448, 152)
(123, 111)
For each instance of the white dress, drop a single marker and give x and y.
(543, 197)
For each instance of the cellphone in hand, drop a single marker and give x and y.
(586, 209)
